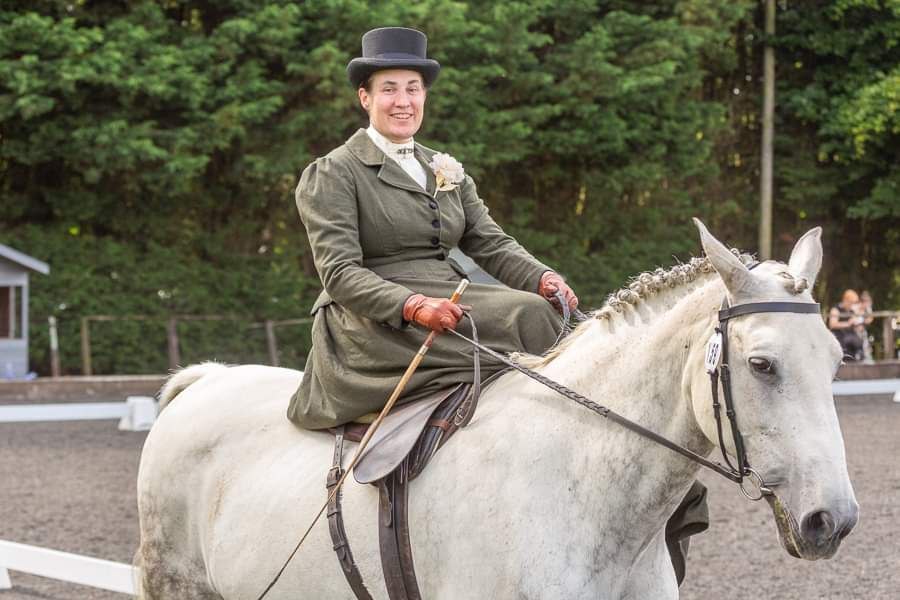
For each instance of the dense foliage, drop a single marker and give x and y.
(149, 148)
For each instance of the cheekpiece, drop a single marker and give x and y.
(393, 48)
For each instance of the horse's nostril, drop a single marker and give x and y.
(847, 525)
(818, 526)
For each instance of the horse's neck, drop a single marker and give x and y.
(636, 365)
(637, 361)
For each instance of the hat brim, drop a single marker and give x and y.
(360, 69)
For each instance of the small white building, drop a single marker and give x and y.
(14, 270)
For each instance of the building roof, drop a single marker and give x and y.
(24, 260)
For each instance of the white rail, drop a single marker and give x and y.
(865, 387)
(84, 570)
(25, 413)
(137, 413)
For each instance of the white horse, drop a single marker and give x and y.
(538, 498)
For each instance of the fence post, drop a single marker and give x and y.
(54, 347)
(272, 342)
(887, 337)
(174, 354)
(85, 347)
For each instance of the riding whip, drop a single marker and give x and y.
(401, 385)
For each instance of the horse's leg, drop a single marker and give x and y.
(652, 577)
(166, 570)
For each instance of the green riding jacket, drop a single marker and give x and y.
(377, 237)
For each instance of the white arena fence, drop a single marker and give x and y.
(93, 572)
(867, 387)
(137, 413)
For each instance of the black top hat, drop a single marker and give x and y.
(393, 48)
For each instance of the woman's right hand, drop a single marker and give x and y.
(437, 314)
(550, 283)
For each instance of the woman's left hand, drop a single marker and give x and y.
(550, 283)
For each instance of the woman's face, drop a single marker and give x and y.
(395, 102)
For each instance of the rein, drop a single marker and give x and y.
(717, 366)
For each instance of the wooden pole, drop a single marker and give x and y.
(86, 346)
(174, 352)
(272, 342)
(13, 330)
(768, 123)
(54, 347)
(887, 337)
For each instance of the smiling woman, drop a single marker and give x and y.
(382, 214)
(395, 100)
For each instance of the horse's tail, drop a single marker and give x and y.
(181, 379)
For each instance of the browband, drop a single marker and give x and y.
(759, 307)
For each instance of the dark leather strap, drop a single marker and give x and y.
(467, 409)
(401, 524)
(393, 536)
(760, 307)
(336, 522)
(443, 424)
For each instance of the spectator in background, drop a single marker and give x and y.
(864, 309)
(843, 321)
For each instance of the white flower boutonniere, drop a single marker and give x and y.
(448, 173)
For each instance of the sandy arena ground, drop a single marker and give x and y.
(70, 486)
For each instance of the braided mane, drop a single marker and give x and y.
(641, 288)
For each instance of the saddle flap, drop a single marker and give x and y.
(396, 436)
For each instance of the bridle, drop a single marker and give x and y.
(719, 371)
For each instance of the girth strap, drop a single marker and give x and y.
(336, 523)
(393, 536)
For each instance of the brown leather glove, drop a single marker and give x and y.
(437, 314)
(550, 283)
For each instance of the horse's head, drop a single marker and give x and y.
(782, 365)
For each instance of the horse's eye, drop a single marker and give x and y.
(762, 365)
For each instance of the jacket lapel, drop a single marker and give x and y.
(423, 155)
(390, 173)
(393, 174)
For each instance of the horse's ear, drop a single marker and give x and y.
(735, 275)
(806, 257)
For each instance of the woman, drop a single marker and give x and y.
(382, 214)
(844, 322)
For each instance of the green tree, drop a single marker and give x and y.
(149, 149)
(839, 149)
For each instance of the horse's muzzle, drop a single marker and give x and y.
(819, 533)
(823, 530)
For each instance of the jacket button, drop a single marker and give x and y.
(436, 224)
(432, 204)
(435, 241)
(441, 256)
